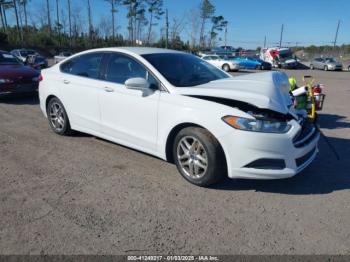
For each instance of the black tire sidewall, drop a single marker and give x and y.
(66, 129)
(226, 67)
(216, 167)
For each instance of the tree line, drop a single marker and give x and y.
(59, 25)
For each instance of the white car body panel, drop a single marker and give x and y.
(135, 124)
(144, 119)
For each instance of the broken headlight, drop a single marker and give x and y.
(257, 125)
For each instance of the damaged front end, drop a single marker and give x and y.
(275, 141)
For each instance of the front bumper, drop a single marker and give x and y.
(335, 68)
(289, 65)
(242, 148)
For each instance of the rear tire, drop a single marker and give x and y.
(199, 157)
(58, 118)
(226, 67)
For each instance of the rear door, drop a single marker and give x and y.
(216, 60)
(79, 86)
(319, 63)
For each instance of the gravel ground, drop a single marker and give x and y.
(84, 195)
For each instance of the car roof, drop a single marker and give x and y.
(138, 50)
(23, 49)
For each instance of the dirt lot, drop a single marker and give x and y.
(83, 195)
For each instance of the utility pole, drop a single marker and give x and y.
(226, 36)
(166, 28)
(113, 22)
(281, 37)
(70, 24)
(58, 24)
(48, 15)
(265, 41)
(2, 19)
(336, 34)
(90, 22)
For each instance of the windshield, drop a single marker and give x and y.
(183, 70)
(286, 56)
(8, 59)
(27, 53)
(65, 54)
(39, 59)
(330, 60)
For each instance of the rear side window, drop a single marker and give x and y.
(87, 65)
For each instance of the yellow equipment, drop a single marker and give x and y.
(313, 100)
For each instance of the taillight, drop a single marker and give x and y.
(40, 78)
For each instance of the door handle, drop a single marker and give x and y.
(66, 81)
(109, 89)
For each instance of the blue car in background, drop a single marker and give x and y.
(251, 62)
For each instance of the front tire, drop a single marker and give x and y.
(226, 68)
(198, 156)
(58, 118)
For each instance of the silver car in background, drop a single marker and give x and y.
(61, 56)
(221, 63)
(327, 63)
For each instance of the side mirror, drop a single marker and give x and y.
(137, 83)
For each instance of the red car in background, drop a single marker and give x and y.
(15, 77)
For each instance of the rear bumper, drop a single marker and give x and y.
(18, 88)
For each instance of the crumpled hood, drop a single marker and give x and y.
(268, 90)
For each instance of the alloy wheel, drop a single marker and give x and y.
(192, 157)
(57, 117)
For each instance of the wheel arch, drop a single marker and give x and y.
(226, 64)
(48, 100)
(171, 138)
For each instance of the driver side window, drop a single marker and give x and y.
(120, 68)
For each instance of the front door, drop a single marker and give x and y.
(129, 116)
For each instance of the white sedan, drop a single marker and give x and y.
(221, 63)
(179, 108)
